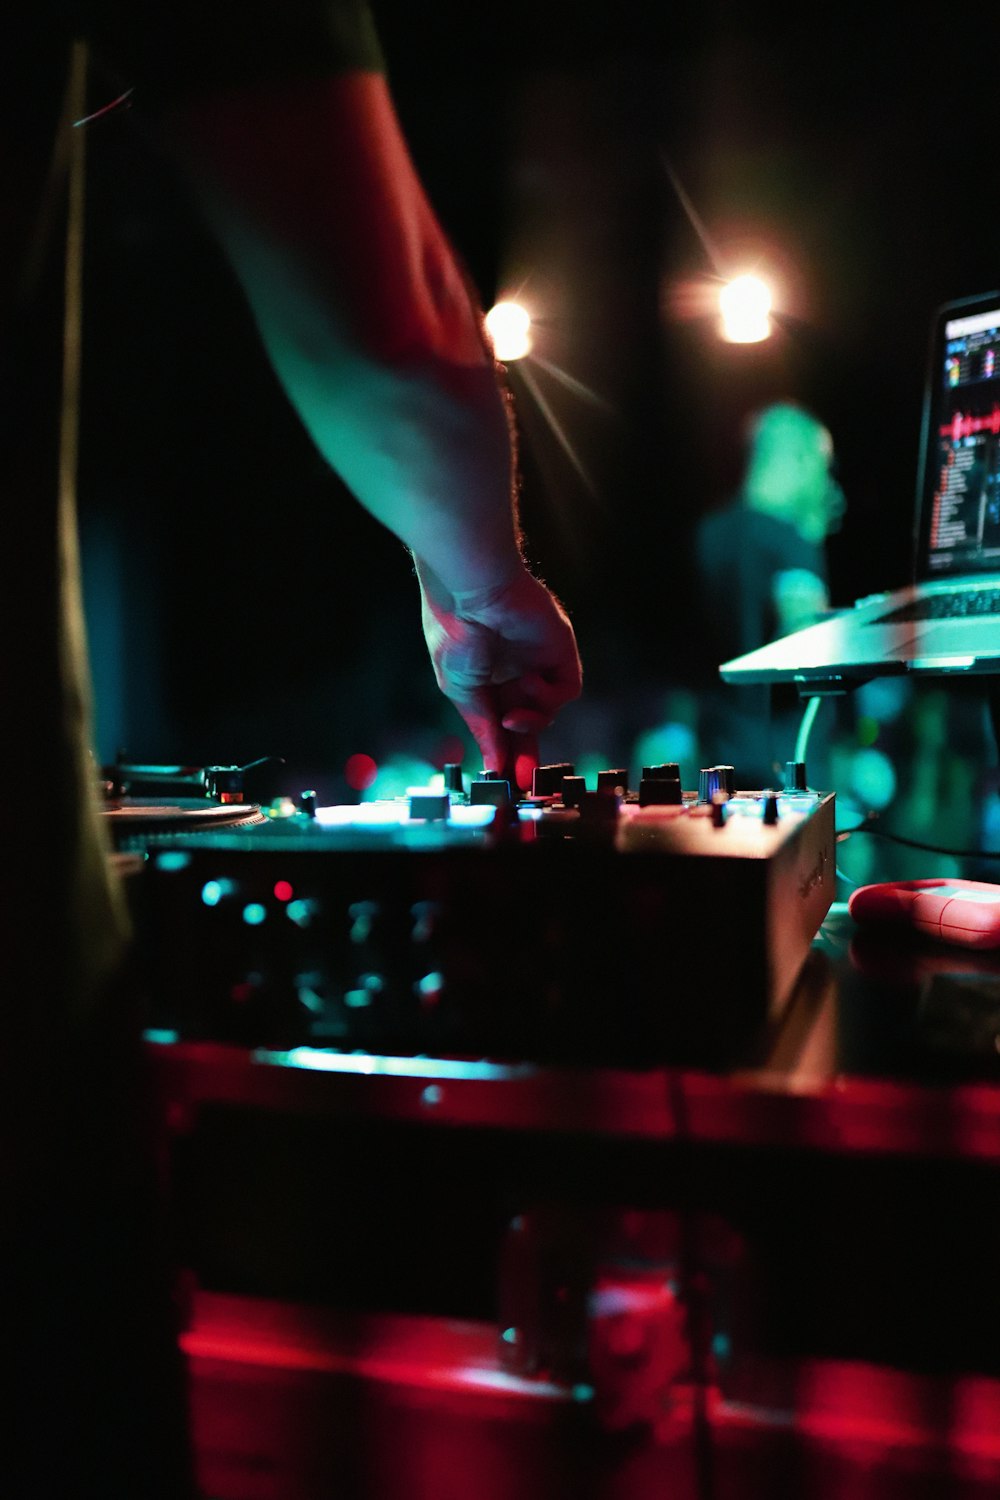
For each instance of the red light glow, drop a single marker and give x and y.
(283, 891)
(359, 772)
(524, 767)
(449, 751)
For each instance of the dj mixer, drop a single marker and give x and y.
(580, 925)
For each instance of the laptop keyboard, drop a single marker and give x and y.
(964, 604)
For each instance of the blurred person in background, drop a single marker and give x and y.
(761, 573)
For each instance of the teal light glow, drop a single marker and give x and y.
(321, 1060)
(172, 859)
(161, 1037)
(254, 914)
(301, 912)
(213, 891)
(873, 778)
(431, 984)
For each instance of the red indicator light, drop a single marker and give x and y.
(359, 772)
(283, 891)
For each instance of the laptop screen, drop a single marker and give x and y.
(959, 530)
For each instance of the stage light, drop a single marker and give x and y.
(745, 304)
(509, 329)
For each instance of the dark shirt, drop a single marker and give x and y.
(738, 553)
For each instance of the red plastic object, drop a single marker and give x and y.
(954, 911)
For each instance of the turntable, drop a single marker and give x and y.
(141, 800)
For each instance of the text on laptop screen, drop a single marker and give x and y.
(961, 510)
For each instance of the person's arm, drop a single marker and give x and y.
(366, 318)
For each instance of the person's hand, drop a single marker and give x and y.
(507, 658)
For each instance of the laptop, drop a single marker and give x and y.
(948, 619)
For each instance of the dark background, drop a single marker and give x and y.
(241, 604)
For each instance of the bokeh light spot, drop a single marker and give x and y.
(359, 772)
(509, 328)
(449, 751)
(873, 778)
(868, 729)
(745, 304)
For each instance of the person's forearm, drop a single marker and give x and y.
(423, 442)
(364, 313)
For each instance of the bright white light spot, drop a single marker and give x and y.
(509, 329)
(745, 304)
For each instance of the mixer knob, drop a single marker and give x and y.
(656, 791)
(489, 790)
(427, 803)
(453, 777)
(546, 781)
(713, 779)
(795, 776)
(771, 809)
(612, 782)
(719, 800)
(307, 803)
(669, 770)
(573, 788)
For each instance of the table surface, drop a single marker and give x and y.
(889, 1043)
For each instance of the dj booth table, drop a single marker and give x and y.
(413, 1276)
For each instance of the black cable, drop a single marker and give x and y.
(899, 838)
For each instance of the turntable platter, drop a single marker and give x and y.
(135, 814)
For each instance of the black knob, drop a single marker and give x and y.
(490, 791)
(429, 804)
(453, 777)
(307, 803)
(612, 782)
(795, 776)
(660, 791)
(719, 800)
(546, 781)
(573, 788)
(771, 809)
(713, 779)
(668, 771)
